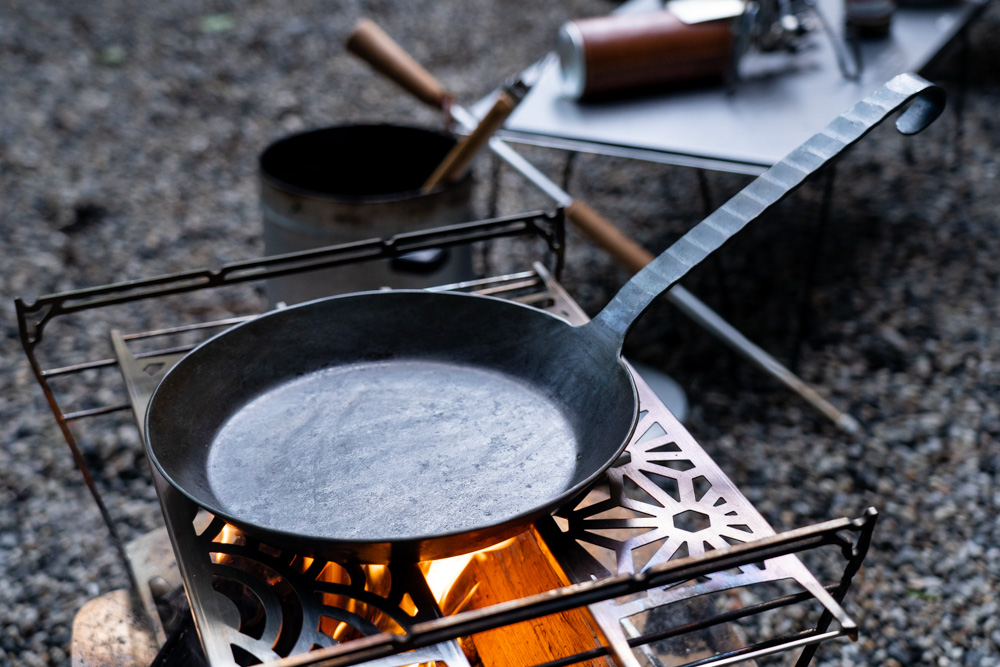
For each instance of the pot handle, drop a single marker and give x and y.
(614, 322)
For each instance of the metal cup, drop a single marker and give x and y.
(356, 182)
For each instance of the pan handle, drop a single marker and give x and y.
(614, 322)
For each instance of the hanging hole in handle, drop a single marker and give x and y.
(922, 112)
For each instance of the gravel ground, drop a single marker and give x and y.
(128, 144)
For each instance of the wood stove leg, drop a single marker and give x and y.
(858, 552)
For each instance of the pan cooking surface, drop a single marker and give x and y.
(392, 450)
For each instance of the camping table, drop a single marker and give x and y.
(780, 101)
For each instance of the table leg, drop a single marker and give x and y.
(812, 261)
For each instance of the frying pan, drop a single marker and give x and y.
(409, 425)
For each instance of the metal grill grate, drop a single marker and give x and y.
(666, 528)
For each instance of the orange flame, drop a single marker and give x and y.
(441, 575)
(228, 535)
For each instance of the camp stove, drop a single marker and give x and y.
(663, 562)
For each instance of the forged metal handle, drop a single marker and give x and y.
(763, 193)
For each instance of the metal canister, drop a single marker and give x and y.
(635, 51)
(355, 182)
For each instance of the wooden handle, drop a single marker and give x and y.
(370, 43)
(600, 230)
(461, 155)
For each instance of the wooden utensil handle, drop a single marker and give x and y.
(602, 232)
(461, 155)
(370, 43)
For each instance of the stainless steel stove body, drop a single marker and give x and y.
(665, 558)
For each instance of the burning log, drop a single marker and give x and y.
(519, 569)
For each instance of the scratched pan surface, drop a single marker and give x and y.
(409, 425)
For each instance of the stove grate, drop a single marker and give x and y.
(666, 530)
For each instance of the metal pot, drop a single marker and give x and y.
(356, 182)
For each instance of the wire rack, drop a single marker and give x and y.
(665, 558)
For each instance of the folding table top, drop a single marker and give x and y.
(781, 100)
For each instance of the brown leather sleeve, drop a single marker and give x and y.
(632, 51)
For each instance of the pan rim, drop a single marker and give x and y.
(506, 527)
